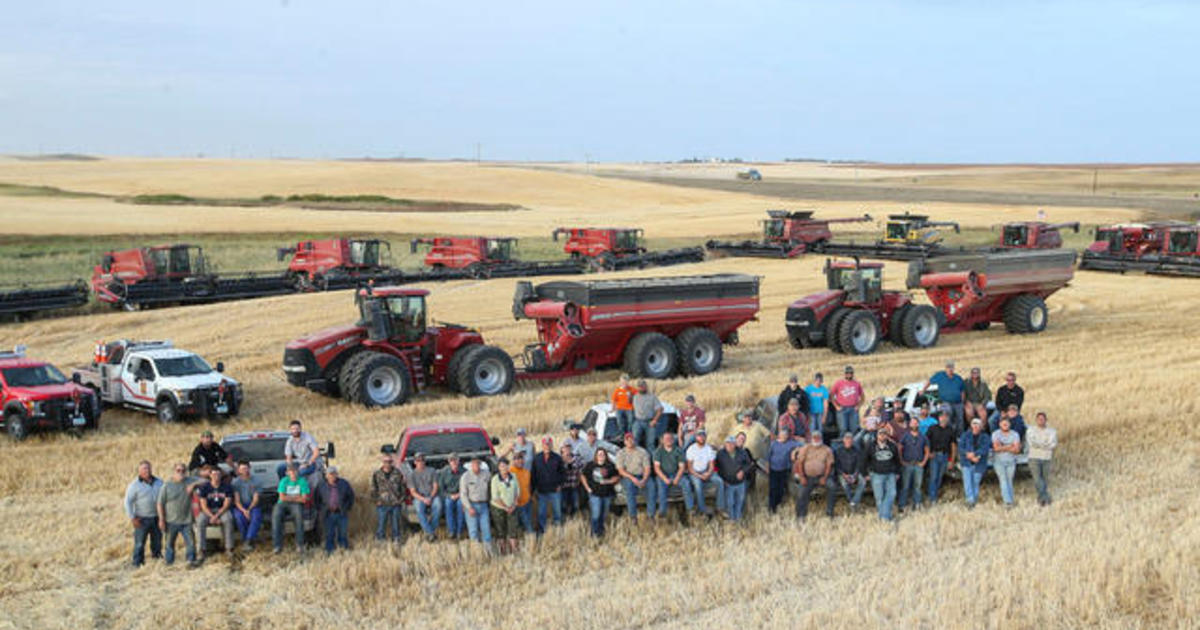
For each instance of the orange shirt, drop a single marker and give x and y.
(524, 480)
(622, 398)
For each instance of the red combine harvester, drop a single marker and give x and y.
(1033, 235)
(487, 257)
(968, 292)
(655, 326)
(620, 248)
(339, 263)
(1167, 248)
(785, 235)
(174, 274)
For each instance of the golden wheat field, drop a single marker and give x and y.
(1116, 372)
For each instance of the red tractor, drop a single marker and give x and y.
(174, 274)
(486, 257)
(619, 248)
(1034, 235)
(338, 261)
(967, 292)
(785, 235)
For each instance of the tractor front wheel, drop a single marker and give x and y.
(374, 379)
(484, 371)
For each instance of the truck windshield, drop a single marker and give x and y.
(33, 376)
(442, 444)
(182, 366)
(256, 450)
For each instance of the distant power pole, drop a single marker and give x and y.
(1095, 176)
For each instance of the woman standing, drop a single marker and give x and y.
(599, 477)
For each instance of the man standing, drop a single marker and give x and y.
(793, 420)
(448, 494)
(208, 452)
(779, 466)
(423, 487)
(733, 464)
(548, 476)
(174, 506)
(978, 395)
(847, 397)
(521, 445)
(335, 498)
(648, 424)
(1008, 394)
(882, 462)
(300, 449)
(293, 494)
(505, 491)
(520, 471)
(633, 464)
(388, 491)
(812, 467)
(570, 486)
(668, 473)
(973, 448)
(1042, 442)
(818, 402)
(473, 488)
(216, 500)
(587, 450)
(757, 436)
(691, 421)
(793, 391)
(140, 507)
(914, 454)
(699, 459)
(574, 440)
(846, 470)
(1006, 444)
(247, 513)
(943, 449)
(951, 395)
(622, 402)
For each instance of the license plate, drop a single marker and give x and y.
(78, 421)
(222, 408)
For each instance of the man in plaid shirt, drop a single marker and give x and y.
(571, 494)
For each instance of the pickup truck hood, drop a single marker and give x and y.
(46, 392)
(322, 341)
(194, 381)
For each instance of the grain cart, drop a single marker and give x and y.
(620, 248)
(967, 292)
(175, 274)
(906, 237)
(1033, 235)
(785, 235)
(487, 257)
(339, 263)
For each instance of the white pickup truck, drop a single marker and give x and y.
(155, 376)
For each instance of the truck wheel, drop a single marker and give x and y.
(921, 327)
(651, 355)
(14, 423)
(699, 350)
(374, 379)
(485, 371)
(452, 367)
(859, 332)
(833, 325)
(896, 324)
(1025, 314)
(166, 410)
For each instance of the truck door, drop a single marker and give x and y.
(139, 381)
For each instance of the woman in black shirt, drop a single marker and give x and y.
(599, 477)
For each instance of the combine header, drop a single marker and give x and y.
(607, 249)
(22, 301)
(1167, 248)
(906, 237)
(487, 257)
(785, 235)
(967, 292)
(175, 274)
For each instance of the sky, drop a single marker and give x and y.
(608, 80)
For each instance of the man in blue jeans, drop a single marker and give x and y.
(701, 473)
(141, 507)
(388, 492)
(733, 464)
(450, 498)
(293, 494)
(547, 476)
(247, 513)
(423, 487)
(973, 449)
(473, 489)
(847, 461)
(942, 448)
(668, 473)
(914, 454)
(335, 498)
(633, 465)
(882, 462)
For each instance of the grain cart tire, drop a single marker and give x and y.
(896, 325)
(14, 423)
(651, 355)
(1025, 314)
(921, 327)
(375, 379)
(485, 371)
(859, 332)
(700, 351)
(833, 325)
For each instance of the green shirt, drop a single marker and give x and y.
(299, 487)
(448, 480)
(670, 461)
(176, 502)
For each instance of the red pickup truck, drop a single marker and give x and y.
(36, 395)
(437, 442)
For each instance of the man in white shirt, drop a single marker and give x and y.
(1042, 442)
(700, 457)
(301, 448)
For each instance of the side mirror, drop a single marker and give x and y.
(495, 441)
(329, 451)
(220, 366)
(75, 378)
(388, 449)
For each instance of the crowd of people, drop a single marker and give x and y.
(903, 453)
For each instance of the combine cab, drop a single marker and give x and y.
(607, 249)
(339, 263)
(22, 301)
(1166, 248)
(487, 257)
(906, 237)
(174, 274)
(785, 235)
(1033, 235)
(967, 293)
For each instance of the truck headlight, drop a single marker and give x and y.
(182, 395)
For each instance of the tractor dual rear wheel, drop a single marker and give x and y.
(833, 325)
(374, 379)
(859, 332)
(700, 351)
(483, 371)
(1025, 314)
(651, 355)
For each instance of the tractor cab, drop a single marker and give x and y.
(779, 227)
(1015, 235)
(626, 240)
(900, 226)
(500, 249)
(168, 261)
(368, 252)
(862, 282)
(1111, 239)
(1185, 241)
(393, 314)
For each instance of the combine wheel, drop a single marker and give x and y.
(651, 355)
(700, 351)
(1025, 314)
(896, 324)
(484, 371)
(859, 332)
(920, 327)
(833, 325)
(374, 379)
